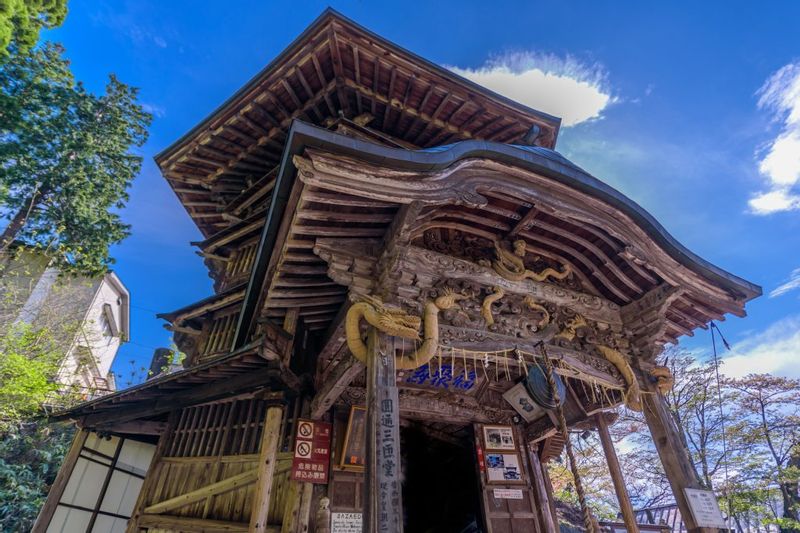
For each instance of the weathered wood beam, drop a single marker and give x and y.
(197, 525)
(586, 244)
(138, 427)
(60, 483)
(244, 152)
(387, 109)
(547, 521)
(338, 68)
(210, 306)
(215, 489)
(626, 508)
(266, 469)
(415, 113)
(673, 454)
(334, 385)
(428, 408)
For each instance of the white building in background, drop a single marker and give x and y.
(90, 317)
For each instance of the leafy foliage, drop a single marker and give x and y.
(65, 159)
(29, 360)
(30, 455)
(21, 21)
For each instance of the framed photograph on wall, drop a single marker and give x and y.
(503, 468)
(499, 438)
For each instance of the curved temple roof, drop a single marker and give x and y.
(335, 70)
(705, 281)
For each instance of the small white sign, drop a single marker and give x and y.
(705, 508)
(507, 494)
(345, 522)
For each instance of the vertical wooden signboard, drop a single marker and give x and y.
(505, 476)
(383, 488)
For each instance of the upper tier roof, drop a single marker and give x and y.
(334, 69)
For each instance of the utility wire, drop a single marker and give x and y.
(713, 327)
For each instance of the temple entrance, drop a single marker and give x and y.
(441, 491)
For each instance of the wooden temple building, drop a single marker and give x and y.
(414, 296)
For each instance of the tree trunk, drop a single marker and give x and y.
(790, 504)
(18, 221)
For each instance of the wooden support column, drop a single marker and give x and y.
(673, 455)
(542, 496)
(266, 469)
(628, 516)
(382, 488)
(548, 487)
(60, 483)
(290, 326)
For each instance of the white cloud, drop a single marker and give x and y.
(774, 201)
(774, 351)
(780, 162)
(154, 109)
(791, 284)
(563, 87)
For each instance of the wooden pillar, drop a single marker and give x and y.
(548, 487)
(628, 516)
(267, 456)
(382, 488)
(297, 511)
(673, 455)
(542, 496)
(60, 483)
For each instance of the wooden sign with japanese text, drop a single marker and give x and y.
(312, 451)
(354, 449)
(705, 508)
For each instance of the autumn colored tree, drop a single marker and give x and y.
(65, 159)
(768, 412)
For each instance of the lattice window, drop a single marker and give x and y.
(223, 428)
(220, 334)
(242, 261)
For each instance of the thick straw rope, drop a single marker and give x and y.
(588, 521)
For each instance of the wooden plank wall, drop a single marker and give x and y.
(211, 443)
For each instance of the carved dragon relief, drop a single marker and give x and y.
(398, 323)
(491, 309)
(511, 265)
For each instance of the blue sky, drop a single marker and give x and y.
(692, 110)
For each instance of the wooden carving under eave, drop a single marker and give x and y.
(663, 378)
(632, 391)
(511, 265)
(486, 306)
(398, 323)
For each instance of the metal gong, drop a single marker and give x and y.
(539, 390)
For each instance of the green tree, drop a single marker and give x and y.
(21, 21)
(65, 159)
(30, 456)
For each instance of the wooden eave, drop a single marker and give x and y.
(232, 296)
(249, 368)
(233, 234)
(617, 250)
(334, 68)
